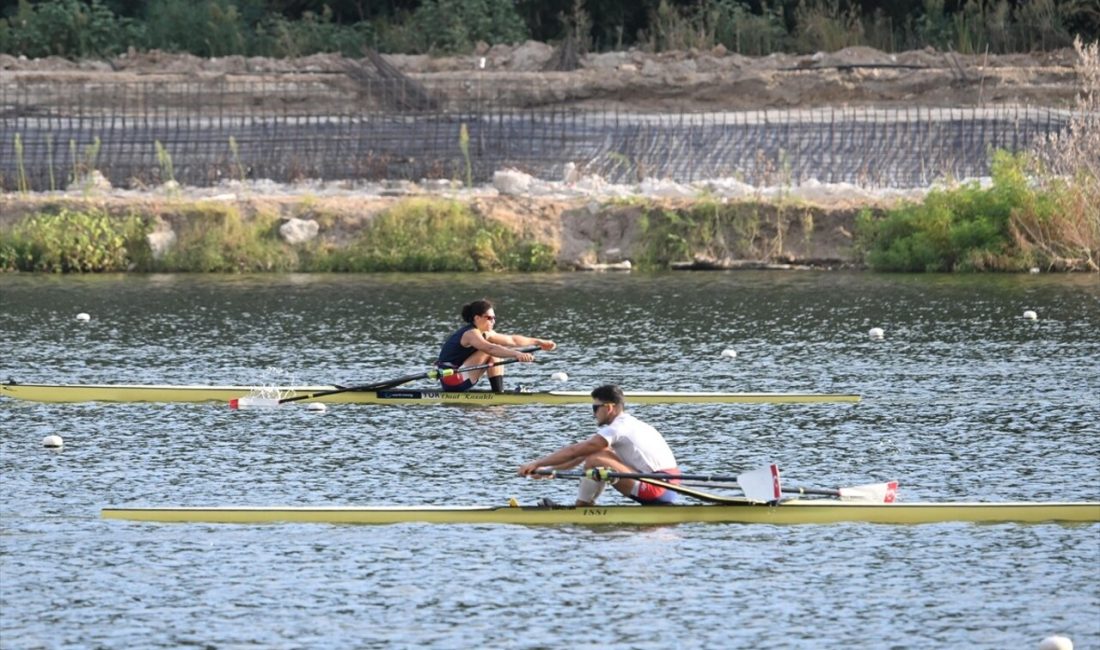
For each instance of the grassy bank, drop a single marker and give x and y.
(1014, 224)
(413, 235)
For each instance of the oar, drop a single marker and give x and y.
(758, 485)
(434, 373)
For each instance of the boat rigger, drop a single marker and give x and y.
(393, 396)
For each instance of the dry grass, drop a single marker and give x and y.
(1068, 166)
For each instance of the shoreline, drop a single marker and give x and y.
(566, 228)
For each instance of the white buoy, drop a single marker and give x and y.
(83, 317)
(729, 353)
(316, 406)
(559, 376)
(53, 442)
(1034, 270)
(1030, 315)
(1056, 642)
(875, 333)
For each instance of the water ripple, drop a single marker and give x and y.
(963, 399)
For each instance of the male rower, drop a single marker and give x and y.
(622, 443)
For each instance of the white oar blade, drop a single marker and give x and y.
(254, 403)
(761, 484)
(874, 492)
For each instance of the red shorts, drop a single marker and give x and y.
(456, 383)
(649, 493)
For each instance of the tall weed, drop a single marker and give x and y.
(1067, 166)
(826, 25)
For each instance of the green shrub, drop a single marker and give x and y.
(967, 228)
(74, 242)
(206, 28)
(68, 28)
(740, 30)
(278, 36)
(452, 26)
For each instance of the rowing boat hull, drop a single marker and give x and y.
(790, 512)
(166, 393)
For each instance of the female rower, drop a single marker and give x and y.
(476, 344)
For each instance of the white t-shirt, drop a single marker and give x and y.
(638, 444)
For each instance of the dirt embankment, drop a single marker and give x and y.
(633, 80)
(584, 234)
(585, 230)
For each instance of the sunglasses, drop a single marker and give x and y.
(597, 407)
(493, 318)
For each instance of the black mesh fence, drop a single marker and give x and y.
(334, 128)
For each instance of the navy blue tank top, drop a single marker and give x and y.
(454, 354)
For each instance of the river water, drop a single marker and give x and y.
(964, 399)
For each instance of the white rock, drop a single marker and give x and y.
(83, 317)
(559, 376)
(161, 241)
(570, 173)
(299, 231)
(91, 181)
(729, 353)
(1056, 642)
(511, 181)
(53, 442)
(876, 333)
(1030, 315)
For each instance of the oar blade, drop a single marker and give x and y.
(761, 484)
(873, 492)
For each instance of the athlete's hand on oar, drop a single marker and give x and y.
(530, 471)
(543, 344)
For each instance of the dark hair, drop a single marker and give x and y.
(475, 308)
(608, 394)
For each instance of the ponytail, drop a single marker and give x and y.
(475, 308)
